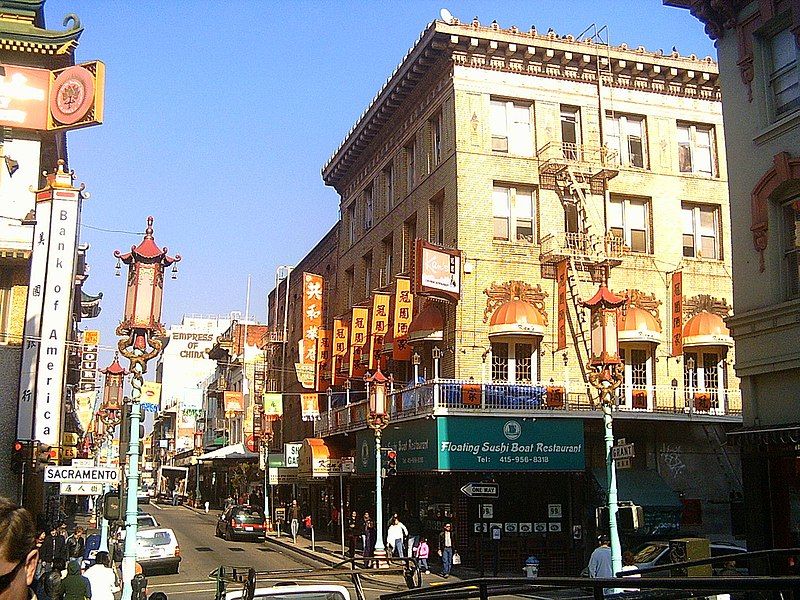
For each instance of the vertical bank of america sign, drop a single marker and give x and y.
(44, 350)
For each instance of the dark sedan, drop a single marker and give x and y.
(242, 522)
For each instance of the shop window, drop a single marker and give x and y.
(625, 134)
(514, 362)
(511, 127)
(629, 220)
(513, 214)
(700, 230)
(696, 149)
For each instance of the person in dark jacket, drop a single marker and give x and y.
(76, 544)
(76, 586)
(54, 547)
(370, 537)
(447, 547)
(53, 581)
(352, 534)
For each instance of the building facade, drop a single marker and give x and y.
(759, 49)
(518, 157)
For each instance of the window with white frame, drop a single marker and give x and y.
(511, 127)
(791, 246)
(700, 230)
(351, 223)
(368, 208)
(388, 186)
(638, 374)
(696, 149)
(704, 372)
(628, 220)
(625, 134)
(513, 213)
(514, 362)
(571, 137)
(784, 72)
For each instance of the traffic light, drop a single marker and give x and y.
(20, 453)
(629, 517)
(391, 462)
(40, 457)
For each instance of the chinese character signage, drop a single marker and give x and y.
(273, 406)
(358, 339)
(234, 402)
(309, 406)
(323, 359)
(338, 346)
(403, 311)
(561, 278)
(312, 317)
(677, 313)
(379, 327)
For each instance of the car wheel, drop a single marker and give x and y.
(175, 569)
(226, 535)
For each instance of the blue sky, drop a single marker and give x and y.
(220, 115)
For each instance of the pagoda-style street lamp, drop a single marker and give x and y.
(378, 419)
(111, 415)
(141, 332)
(606, 375)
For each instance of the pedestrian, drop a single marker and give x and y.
(352, 534)
(53, 580)
(334, 522)
(54, 546)
(422, 551)
(369, 533)
(175, 495)
(101, 578)
(18, 553)
(395, 537)
(252, 499)
(76, 586)
(629, 567)
(447, 545)
(76, 544)
(41, 567)
(600, 566)
(294, 518)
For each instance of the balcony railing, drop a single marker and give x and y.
(459, 397)
(558, 246)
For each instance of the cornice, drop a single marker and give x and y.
(529, 52)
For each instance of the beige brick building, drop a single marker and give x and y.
(521, 150)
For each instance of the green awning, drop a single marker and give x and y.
(642, 487)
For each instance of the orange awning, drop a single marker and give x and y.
(427, 326)
(517, 318)
(638, 325)
(706, 329)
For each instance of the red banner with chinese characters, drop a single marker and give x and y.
(312, 317)
(309, 407)
(323, 359)
(677, 313)
(403, 312)
(561, 280)
(338, 348)
(378, 327)
(358, 340)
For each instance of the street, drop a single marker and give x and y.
(203, 552)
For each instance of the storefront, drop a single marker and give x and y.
(523, 477)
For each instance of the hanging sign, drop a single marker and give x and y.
(677, 313)
(378, 327)
(310, 406)
(272, 406)
(358, 338)
(151, 396)
(561, 279)
(338, 347)
(403, 312)
(234, 402)
(312, 317)
(323, 359)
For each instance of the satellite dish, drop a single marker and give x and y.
(446, 15)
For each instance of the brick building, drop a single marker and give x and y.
(524, 151)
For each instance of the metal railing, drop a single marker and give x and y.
(566, 152)
(582, 245)
(468, 397)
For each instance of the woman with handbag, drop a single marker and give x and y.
(447, 545)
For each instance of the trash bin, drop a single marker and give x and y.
(531, 567)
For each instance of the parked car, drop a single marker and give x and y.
(157, 549)
(656, 553)
(242, 522)
(144, 520)
(292, 591)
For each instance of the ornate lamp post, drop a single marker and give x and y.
(606, 375)
(141, 332)
(378, 419)
(267, 435)
(111, 415)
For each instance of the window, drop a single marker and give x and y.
(511, 128)
(349, 281)
(388, 267)
(626, 135)
(791, 245)
(700, 230)
(436, 140)
(571, 132)
(367, 274)
(436, 220)
(704, 372)
(784, 76)
(696, 149)
(514, 363)
(388, 186)
(411, 165)
(409, 235)
(513, 213)
(368, 208)
(628, 220)
(6, 299)
(638, 391)
(351, 224)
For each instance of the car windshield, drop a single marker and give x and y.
(158, 538)
(647, 553)
(249, 515)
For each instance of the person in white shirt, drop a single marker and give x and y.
(395, 537)
(102, 578)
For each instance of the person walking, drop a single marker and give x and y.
(101, 578)
(76, 586)
(53, 580)
(422, 551)
(76, 544)
(600, 561)
(18, 553)
(369, 533)
(352, 534)
(54, 546)
(447, 545)
(395, 537)
(295, 514)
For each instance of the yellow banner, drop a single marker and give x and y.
(403, 312)
(379, 327)
(273, 405)
(358, 339)
(312, 316)
(310, 406)
(323, 359)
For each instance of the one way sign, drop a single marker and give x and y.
(481, 490)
